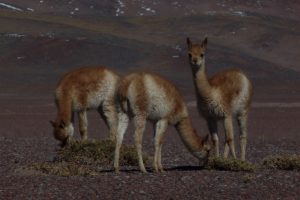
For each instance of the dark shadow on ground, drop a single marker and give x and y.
(185, 168)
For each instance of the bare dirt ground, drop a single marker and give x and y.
(41, 40)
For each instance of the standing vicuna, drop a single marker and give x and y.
(225, 96)
(81, 90)
(145, 96)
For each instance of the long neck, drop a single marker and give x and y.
(64, 109)
(188, 135)
(202, 86)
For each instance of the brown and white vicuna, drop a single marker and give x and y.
(81, 90)
(146, 96)
(225, 96)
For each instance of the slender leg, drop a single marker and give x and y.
(213, 129)
(160, 167)
(160, 128)
(242, 122)
(122, 127)
(229, 137)
(110, 117)
(72, 132)
(83, 123)
(139, 123)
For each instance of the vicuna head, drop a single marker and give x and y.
(196, 52)
(62, 131)
(204, 153)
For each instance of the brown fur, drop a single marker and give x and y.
(172, 91)
(80, 90)
(226, 95)
(146, 96)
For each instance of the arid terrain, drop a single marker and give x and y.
(43, 39)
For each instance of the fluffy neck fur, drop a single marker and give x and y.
(64, 112)
(189, 136)
(202, 85)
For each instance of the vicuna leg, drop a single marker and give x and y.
(139, 123)
(229, 137)
(213, 129)
(109, 115)
(242, 122)
(160, 128)
(122, 127)
(83, 123)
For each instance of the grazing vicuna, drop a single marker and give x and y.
(81, 90)
(225, 96)
(145, 96)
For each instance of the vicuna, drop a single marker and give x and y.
(81, 90)
(145, 96)
(225, 96)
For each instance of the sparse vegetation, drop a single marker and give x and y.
(90, 158)
(86, 158)
(248, 178)
(220, 163)
(65, 169)
(282, 162)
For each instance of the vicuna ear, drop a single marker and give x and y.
(52, 123)
(188, 42)
(62, 124)
(204, 43)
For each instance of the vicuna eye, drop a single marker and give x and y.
(202, 55)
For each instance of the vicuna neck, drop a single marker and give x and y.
(202, 85)
(188, 135)
(64, 112)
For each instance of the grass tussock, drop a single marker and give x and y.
(228, 164)
(86, 158)
(97, 152)
(282, 162)
(65, 169)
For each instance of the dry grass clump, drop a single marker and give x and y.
(84, 158)
(65, 169)
(97, 152)
(229, 164)
(282, 162)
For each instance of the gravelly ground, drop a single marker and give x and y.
(182, 179)
(37, 48)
